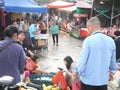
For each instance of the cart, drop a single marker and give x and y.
(41, 41)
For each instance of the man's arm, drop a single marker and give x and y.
(83, 57)
(112, 67)
(83, 60)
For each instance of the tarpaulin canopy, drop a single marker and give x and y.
(1, 4)
(60, 4)
(83, 4)
(68, 9)
(23, 6)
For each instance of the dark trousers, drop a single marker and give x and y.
(88, 87)
(55, 38)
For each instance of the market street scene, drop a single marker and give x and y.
(59, 45)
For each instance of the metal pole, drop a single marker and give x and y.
(102, 14)
(92, 8)
(112, 12)
(116, 16)
(47, 24)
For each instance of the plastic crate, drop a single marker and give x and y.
(42, 78)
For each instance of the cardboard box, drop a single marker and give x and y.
(41, 42)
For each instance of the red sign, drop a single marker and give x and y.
(80, 15)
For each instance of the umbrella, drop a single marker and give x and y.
(83, 4)
(60, 4)
(68, 9)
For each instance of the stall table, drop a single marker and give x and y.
(42, 41)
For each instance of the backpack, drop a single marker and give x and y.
(30, 65)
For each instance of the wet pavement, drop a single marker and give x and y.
(52, 58)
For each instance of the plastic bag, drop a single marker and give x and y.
(63, 83)
(59, 79)
(76, 86)
(56, 78)
(115, 83)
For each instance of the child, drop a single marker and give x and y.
(32, 66)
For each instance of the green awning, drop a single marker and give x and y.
(81, 10)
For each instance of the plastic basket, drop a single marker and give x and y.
(42, 78)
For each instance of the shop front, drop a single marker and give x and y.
(2, 18)
(81, 15)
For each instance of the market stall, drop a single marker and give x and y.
(64, 6)
(68, 9)
(65, 24)
(42, 41)
(82, 14)
(28, 6)
(83, 4)
(23, 6)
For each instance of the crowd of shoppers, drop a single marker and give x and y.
(96, 66)
(19, 40)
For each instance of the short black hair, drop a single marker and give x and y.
(117, 33)
(35, 57)
(10, 30)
